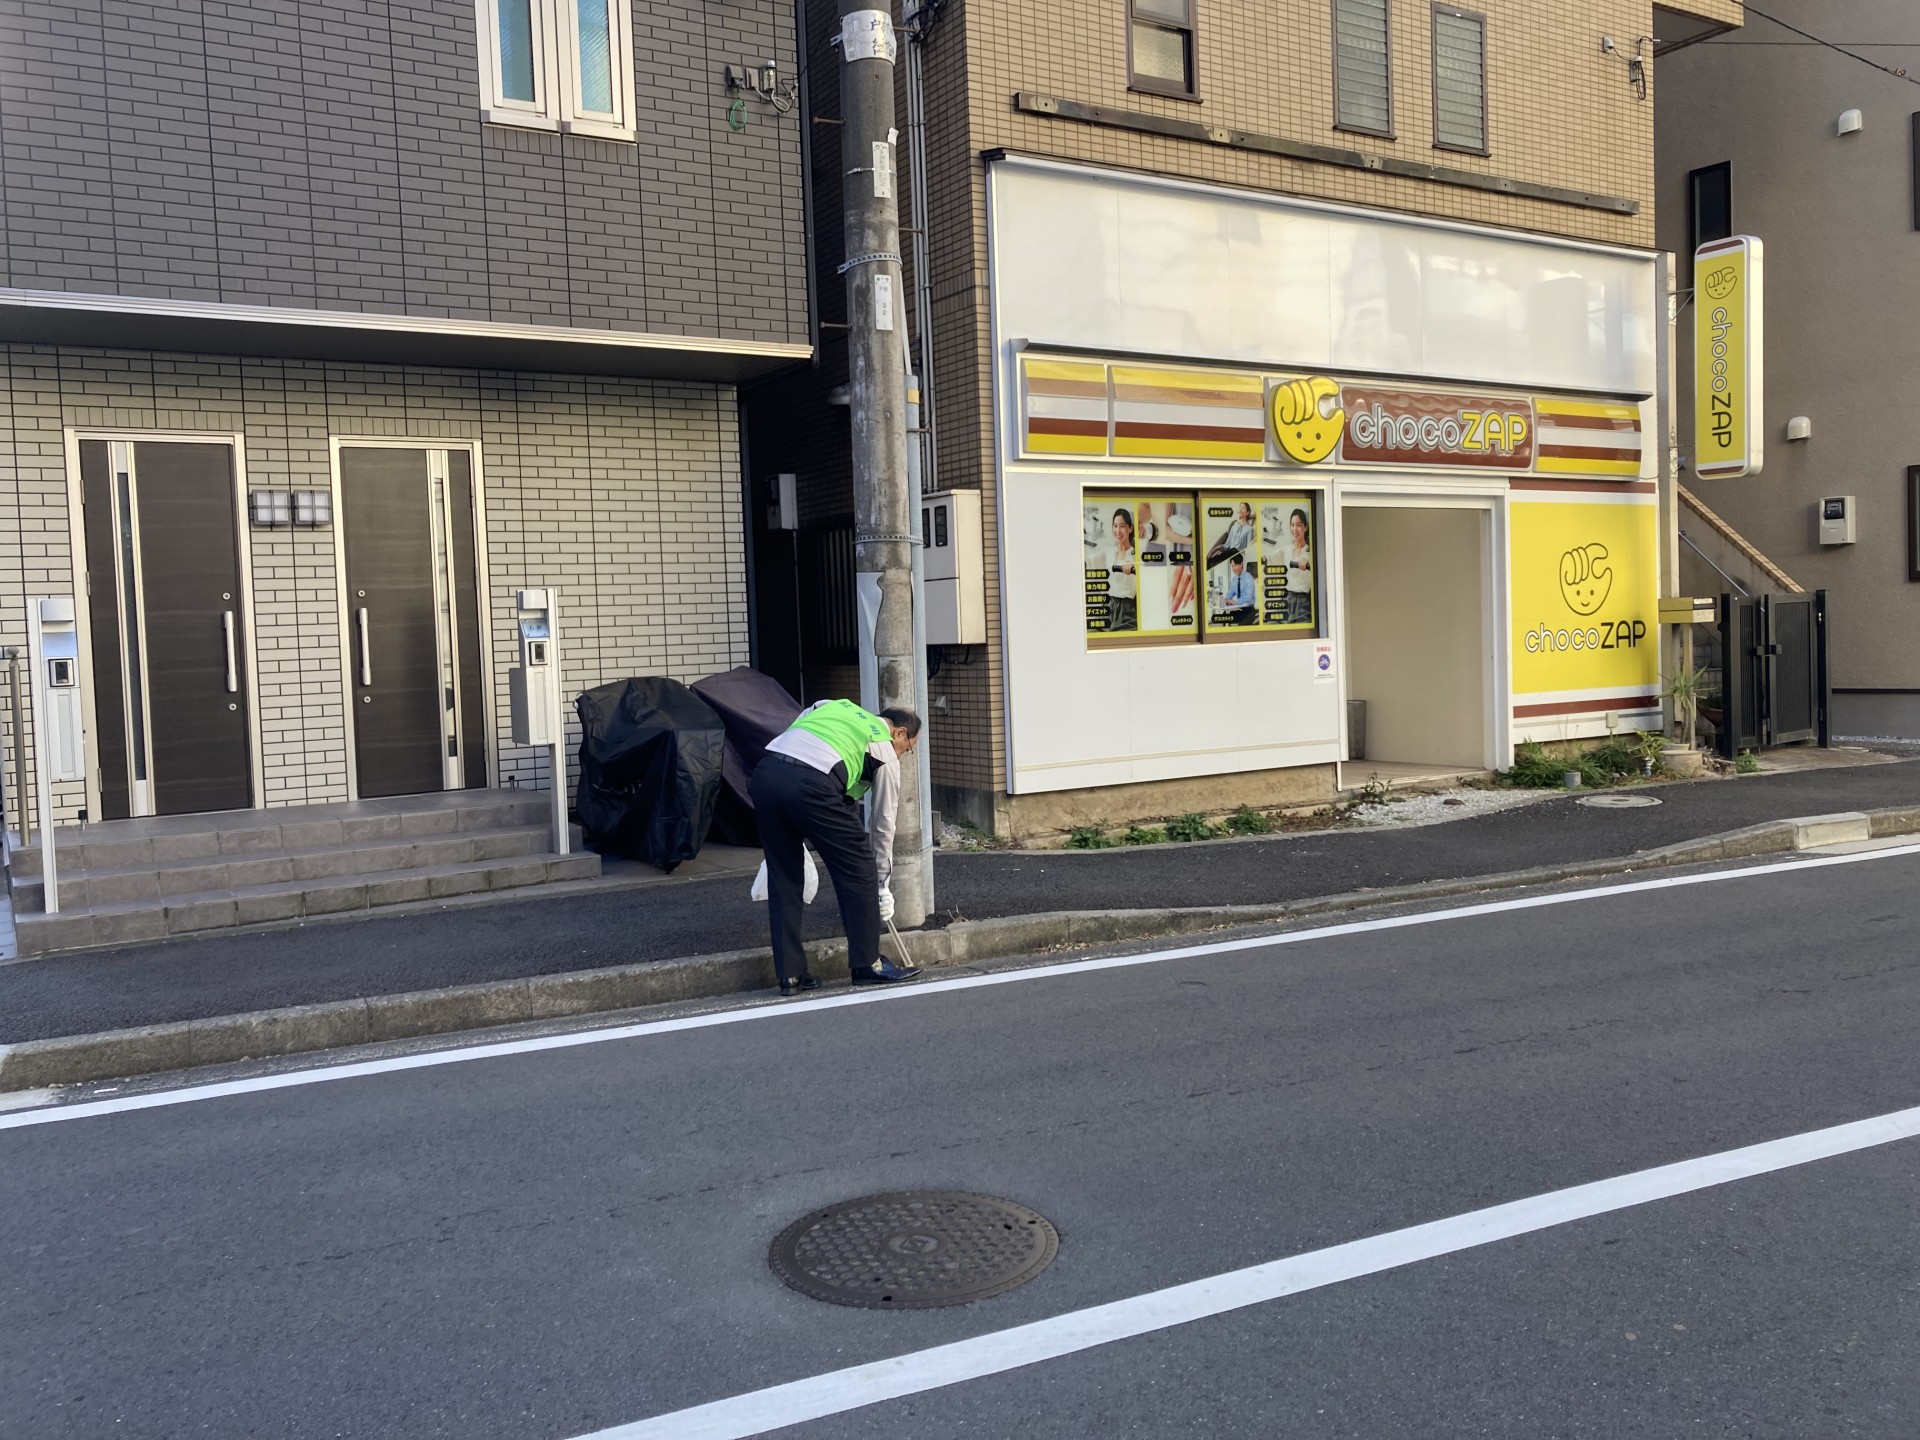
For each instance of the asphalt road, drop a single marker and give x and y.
(198, 976)
(545, 1243)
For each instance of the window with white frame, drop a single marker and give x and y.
(558, 65)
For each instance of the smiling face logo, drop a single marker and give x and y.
(1722, 282)
(1307, 418)
(1585, 579)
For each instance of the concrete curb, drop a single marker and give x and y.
(222, 1039)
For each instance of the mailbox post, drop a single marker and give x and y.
(59, 739)
(533, 688)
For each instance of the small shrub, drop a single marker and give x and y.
(1610, 761)
(1534, 769)
(1088, 837)
(1186, 828)
(1745, 764)
(1538, 768)
(1248, 821)
(1143, 835)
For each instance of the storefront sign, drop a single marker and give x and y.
(1585, 603)
(1411, 427)
(1096, 410)
(1727, 358)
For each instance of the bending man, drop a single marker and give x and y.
(808, 788)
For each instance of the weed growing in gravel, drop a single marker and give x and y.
(1538, 768)
(1190, 827)
(1089, 837)
(1143, 835)
(1248, 821)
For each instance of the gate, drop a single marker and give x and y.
(1774, 670)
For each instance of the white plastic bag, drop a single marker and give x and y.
(809, 889)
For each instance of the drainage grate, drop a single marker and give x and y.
(1620, 802)
(913, 1250)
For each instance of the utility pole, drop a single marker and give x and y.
(877, 394)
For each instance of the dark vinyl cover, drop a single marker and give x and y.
(651, 753)
(754, 708)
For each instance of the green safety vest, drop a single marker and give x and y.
(849, 730)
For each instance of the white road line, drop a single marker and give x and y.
(842, 1390)
(798, 1011)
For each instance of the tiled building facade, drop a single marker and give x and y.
(1563, 112)
(298, 226)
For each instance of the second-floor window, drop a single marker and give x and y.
(558, 65)
(1362, 79)
(1459, 79)
(1160, 46)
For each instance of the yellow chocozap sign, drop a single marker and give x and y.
(1586, 595)
(1727, 358)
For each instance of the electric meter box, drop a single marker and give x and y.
(533, 684)
(954, 567)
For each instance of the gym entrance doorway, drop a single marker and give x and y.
(1419, 640)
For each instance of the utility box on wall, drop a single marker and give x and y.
(1837, 514)
(954, 568)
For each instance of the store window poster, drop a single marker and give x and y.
(1260, 561)
(1139, 566)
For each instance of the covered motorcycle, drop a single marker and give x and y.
(651, 757)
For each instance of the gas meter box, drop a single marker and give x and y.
(533, 686)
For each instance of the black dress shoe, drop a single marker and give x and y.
(798, 986)
(885, 972)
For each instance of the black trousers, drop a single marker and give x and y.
(793, 802)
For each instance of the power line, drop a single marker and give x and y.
(1898, 73)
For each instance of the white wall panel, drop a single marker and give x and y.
(1134, 265)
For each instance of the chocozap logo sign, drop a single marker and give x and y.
(1315, 416)
(1586, 582)
(1584, 595)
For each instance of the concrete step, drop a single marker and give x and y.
(159, 880)
(120, 844)
(133, 922)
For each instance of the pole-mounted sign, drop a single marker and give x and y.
(1728, 358)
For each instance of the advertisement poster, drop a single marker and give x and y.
(1138, 560)
(1260, 563)
(1585, 602)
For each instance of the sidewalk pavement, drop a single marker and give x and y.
(197, 977)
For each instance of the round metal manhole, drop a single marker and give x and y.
(913, 1250)
(1620, 802)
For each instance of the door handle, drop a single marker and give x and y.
(366, 656)
(233, 668)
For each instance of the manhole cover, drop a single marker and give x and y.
(1620, 802)
(913, 1250)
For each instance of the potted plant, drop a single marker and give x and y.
(1685, 688)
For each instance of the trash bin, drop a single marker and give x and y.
(1356, 729)
(755, 708)
(651, 753)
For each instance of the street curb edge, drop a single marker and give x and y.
(300, 1029)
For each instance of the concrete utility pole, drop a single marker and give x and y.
(877, 361)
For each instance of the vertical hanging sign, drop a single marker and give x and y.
(1728, 358)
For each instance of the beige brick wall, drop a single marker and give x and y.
(624, 493)
(1560, 113)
